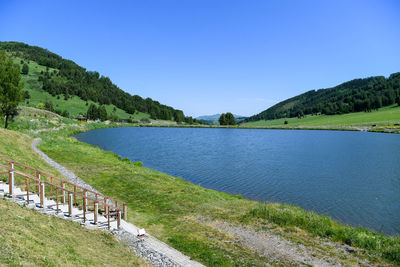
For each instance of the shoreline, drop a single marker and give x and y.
(184, 215)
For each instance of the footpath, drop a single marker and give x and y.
(150, 248)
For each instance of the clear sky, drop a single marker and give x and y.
(207, 57)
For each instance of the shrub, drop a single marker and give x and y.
(138, 163)
(127, 160)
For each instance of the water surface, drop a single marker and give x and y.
(354, 177)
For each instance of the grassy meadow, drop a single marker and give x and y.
(185, 215)
(74, 105)
(382, 117)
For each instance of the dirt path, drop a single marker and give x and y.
(151, 249)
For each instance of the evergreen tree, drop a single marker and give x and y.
(25, 69)
(10, 88)
(102, 113)
(92, 113)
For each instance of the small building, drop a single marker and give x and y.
(81, 118)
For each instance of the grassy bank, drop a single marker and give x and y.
(382, 117)
(188, 216)
(28, 238)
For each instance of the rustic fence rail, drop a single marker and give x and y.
(61, 191)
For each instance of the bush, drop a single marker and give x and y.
(286, 122)
(138, 163)
(40, 106)
(127, 160)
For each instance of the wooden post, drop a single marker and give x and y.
(57, 198)
(63, 192)
(84, 206)
(125, 210)
(75, 193)
(108, 218)
(70, 204)
(51, 185)
(42, 194)
(38, 183)
(96, 210)
(11, 182)
(118, 219)
(27, 190)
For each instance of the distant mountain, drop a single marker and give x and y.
(352, 96)
(215, 117)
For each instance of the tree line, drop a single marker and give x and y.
(64, 77)
(353, 96)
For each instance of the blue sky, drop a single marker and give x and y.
(207, 57)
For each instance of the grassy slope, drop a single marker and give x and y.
(29, 238)
(175, 210)
(74, 105)
(383, 116)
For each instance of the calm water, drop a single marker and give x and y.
(353, 177)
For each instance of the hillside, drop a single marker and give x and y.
(353, 96)
(29, 238)
(384, 118)
(72, 88)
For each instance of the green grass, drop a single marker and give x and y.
(179, 212)
(74, 105)
(171, 208)
(383, 116)
(28, 238)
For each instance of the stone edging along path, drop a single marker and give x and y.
(151, 249)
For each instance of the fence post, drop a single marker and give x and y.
(27, 190)
(57, 198)
(70, 204)
(63, 192)
(11, 181)
(125, 210)
(118, 219)
(38, 182)
(42, 194)
(96, 210)
(108, 218)
(84, 206)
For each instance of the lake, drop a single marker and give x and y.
(354, 177)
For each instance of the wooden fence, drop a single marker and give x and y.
(63, 192)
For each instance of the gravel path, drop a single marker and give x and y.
(151, 249)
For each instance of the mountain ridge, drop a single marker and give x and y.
(352, 96)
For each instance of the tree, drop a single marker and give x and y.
(10, 88)
(102, 113)
(230, 119)
(92, 113)
(48, 105)
(25, 69)
(222, 119)
(398, 100)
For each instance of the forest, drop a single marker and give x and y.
(353, 96)
(64, 77)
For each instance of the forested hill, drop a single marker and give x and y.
(353, 96)
(67, 78)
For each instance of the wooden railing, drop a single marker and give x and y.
(63, 192)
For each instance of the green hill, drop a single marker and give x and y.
(72, 88)
(353, 96)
